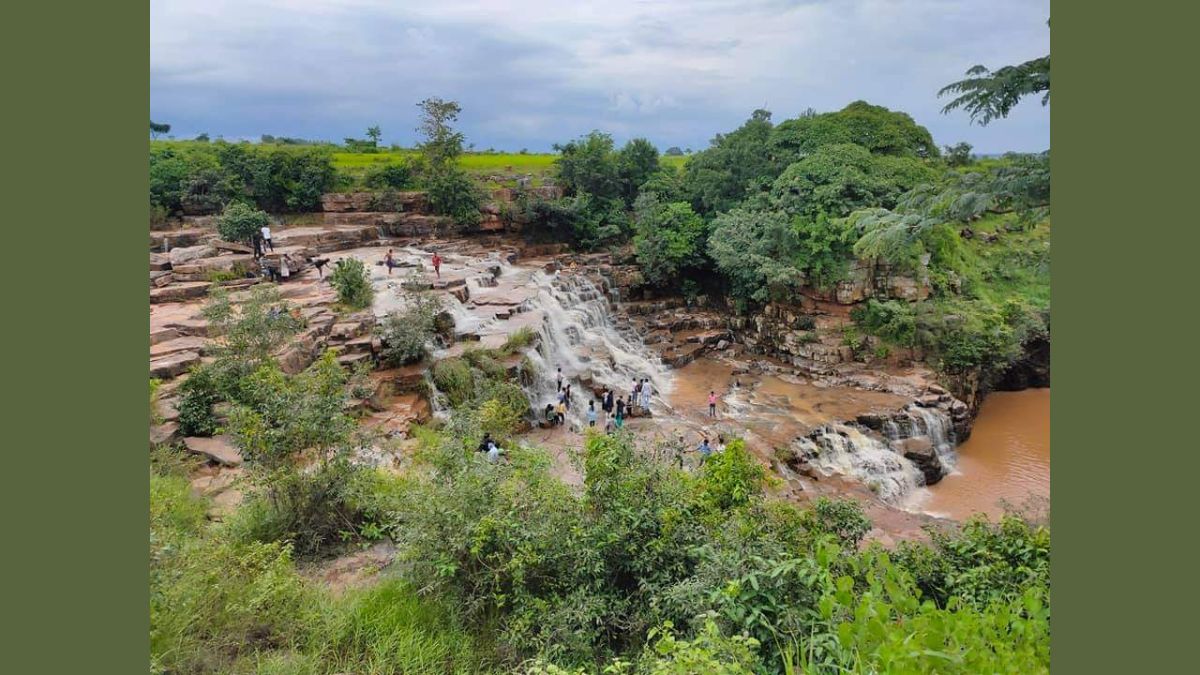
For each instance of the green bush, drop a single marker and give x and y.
(452, 192)
(197, 395)
(240, 222)
(393, 175)
(353, 283)
(453, 378)
(842, 518)
(405, 335)
(519, 339)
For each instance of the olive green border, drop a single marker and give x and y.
(76, 93)
(76, 314)
(1123, 409)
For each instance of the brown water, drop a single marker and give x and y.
(1006, 458)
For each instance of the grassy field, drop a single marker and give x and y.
(537, 164)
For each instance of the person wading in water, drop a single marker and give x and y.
(437, 265)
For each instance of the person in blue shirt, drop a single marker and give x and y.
(705, 450)
(591, 413)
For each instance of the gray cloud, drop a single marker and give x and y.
(535, 73)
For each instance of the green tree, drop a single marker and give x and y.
(673, 151)
(636, 162)
(755, 251)
(375, 134)
(442, 145)
(879, 130)
(240, 222)
(202, 137)
(988, 95)
(352, 282)
(958, 155)
(452, 192)
(156, 129)
(588, 166)
(837, 179)
(670, 239)
(735, 165)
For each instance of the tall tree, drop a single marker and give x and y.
(987, 95)
(442, 143)
(156, 128)
(375, 134)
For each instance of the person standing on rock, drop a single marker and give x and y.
(390, 261)
(562, 413)
(619, 419)
(567, 397)
(705, 450)
(591, 413)
(635, 393)
(256, 240)
(266, 235)
(712, 403)
(437, 265)
(558, 377)
(646, 394)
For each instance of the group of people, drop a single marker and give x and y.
(390, 261)
(262, 241)
(615, 408)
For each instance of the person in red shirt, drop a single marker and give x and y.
(437, 265)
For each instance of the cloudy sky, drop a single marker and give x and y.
(532, 73)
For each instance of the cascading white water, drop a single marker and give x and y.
(578, 335)
(879, 463)
(838, 448)
(937, 426)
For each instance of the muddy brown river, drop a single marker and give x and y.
(1006, 458)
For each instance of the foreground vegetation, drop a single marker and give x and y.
(649, 569)
(646, 569)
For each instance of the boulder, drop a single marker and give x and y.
(173, 365)
(218, 449)
(919, 450)
(164, 433)
(162, 335)
(160, 262)
(179, 292)
(179, 344)
(189, 253)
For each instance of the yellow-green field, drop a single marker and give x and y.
(477, 162)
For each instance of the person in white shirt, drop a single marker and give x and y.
(266, 235)
(646, 394)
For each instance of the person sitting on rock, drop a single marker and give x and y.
(485, 443)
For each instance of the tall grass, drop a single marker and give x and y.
(220, 605)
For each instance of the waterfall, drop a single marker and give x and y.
(840, 448)
(578, 334)
(937, 426)
(879, 462)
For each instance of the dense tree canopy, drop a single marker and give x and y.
(879, 130)
(836, 179)
(670, 239)
(734, 165)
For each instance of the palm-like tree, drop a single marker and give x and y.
(988, 95)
